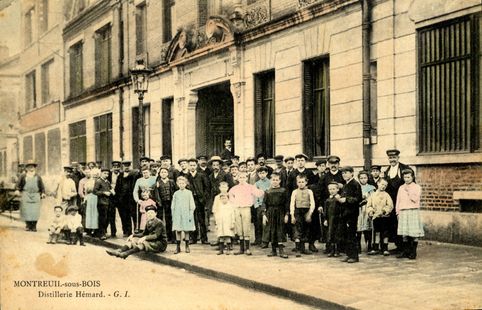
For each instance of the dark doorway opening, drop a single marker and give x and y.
(214, 119)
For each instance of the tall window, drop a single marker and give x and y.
(103, 38)
(265, 113)
(168, 7)
(46, 78)
(27, 148)
(167, 126)
(316, 116)
(40, 157)
(76, 76)
(28, 31)
(78, 142)
(44, 16)
(449, 79)
(141, 29)
(30, 91)
(103, 139)
(54, 150)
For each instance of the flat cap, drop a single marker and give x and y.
(333, 159)
(393, 152)
(346, 168)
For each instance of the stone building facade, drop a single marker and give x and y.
(346, 77)
(41, 76)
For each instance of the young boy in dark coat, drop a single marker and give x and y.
(332, 213)
(351, 195)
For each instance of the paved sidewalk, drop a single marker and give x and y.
(444, 276)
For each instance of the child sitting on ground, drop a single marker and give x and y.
(225, 221)
(56, 225)
(153, 239)
(73, 225)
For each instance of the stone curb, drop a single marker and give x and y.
(247, 283)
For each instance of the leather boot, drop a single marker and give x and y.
(282, 253)
(241, 248)
(413, 248)
(80, 237)
(312, 247)
(303, 249)
(247, 251)
(34, 226)
(117, 252)
(273, 251)
(404, 250)
(178, 247)
(228, 249)
(374, 250)
(128, 252)
(221, 249)
(384, 248)
(298, 249)
(187, 246)
(68, 237)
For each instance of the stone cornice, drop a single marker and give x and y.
(96, 92)
(303, 15)
(87, 17)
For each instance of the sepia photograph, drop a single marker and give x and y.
(240, 154)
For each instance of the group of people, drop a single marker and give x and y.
(159, 204)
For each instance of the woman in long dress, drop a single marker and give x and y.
(91, 212)
(32, 190)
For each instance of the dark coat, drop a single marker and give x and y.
(291, 183)
(353, 194)
(124, 186)
(277, 204)
(214, 182)
(226, 154)
(199, 186)
(156, 237)
(101, 186)
(394, 183)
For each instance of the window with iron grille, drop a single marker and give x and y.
(30, 91)
(78, 142)
(449, 55)
(46, 85)
(76, 67)
(264, 85)
(103, 54)
(103, 139)
(141, 29)
(316, 111)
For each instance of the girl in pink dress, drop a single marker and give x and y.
(143, 204)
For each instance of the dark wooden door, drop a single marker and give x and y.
(215, 119)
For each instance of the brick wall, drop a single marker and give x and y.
(439, 182)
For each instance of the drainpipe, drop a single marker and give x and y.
(121, 89)
(366, 27)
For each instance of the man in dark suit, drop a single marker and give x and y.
(203, 165)
(281, 169)
(393, 174)
(126, 205)
(227, 153)
(350, 198)
(199, 186)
